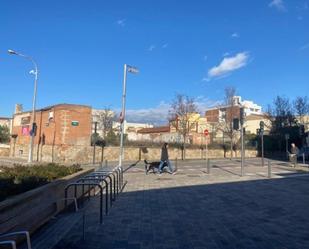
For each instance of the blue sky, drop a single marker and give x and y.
(197, 48)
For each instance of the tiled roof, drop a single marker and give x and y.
(160, 129)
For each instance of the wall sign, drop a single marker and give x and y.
(75, 123)
(25, 120)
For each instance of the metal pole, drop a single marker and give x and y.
(201, 137)
(30, 156)
(269, 169)
(95, 132)
(35, 72)
(286, 147)
(304, 161)
(102, 155)
(208, 166)
(123, 114)
(206, 148)
(242, 150)
(262, 149)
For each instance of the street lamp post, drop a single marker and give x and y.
(129, 69)
(35, 72)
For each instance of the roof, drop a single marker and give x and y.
(159, 129)
(5, 118)
(53, 106)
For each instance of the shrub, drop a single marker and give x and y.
(19, 179)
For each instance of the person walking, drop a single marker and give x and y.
(165, 159)
(293, 154)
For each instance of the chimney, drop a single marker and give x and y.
(18, 108)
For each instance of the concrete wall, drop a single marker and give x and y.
(30, 210)
(4, 150)
(84, 154)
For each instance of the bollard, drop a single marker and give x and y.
(176, 164)
(269, 169)
(208, 166)
(106, 163)
(304, 160)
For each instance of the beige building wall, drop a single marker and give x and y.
(252, 123)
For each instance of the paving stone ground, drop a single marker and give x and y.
(194, 210)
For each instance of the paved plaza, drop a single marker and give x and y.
(195, 210)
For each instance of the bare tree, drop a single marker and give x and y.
(106, 118)
(230, 110)
(181, 113)
(301, 106)
(282, 113)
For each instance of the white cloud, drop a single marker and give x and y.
(207, 79)
(235, 35)
(151, 48)
(165, 45)
(229, 64)
(159, 115)
(226, 54)
(278, 4)
(306, 46)
(121, 22)
(204, 103)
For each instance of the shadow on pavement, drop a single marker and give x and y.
(268, 214)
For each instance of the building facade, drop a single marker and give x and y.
(225, 114)
(195, 127)
(58, 125)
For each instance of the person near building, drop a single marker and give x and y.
(293, 154)
(165, 159)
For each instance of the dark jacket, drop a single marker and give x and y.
(164, 153)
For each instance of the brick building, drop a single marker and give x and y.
(61, 125)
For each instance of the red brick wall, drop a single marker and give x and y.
(212, 115)
(59, 130)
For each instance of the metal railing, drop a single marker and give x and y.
(71, 198)
(119, 172)
(83, 184)
(94, 182)
(9, 243)
(13, 242)
(103, 176)
(116, 178)
(111, 180)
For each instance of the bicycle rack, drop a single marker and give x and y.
(103, 174)
(71, 198)
(83, 184)
(109, 172)
(119, 173)
(14, 234)
(90, 180)
(9, 242)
